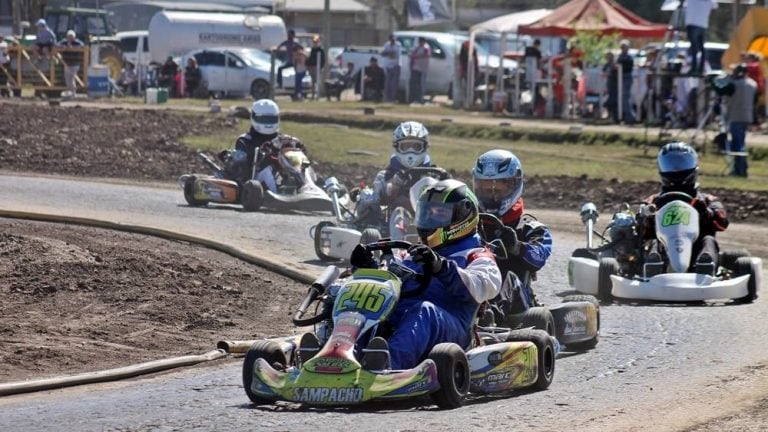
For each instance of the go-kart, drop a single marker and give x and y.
(617, 268)
(368, 222)
(575, 322)
(352, 310)
(296, 188)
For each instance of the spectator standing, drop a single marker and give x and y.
(300, 67)
(45, 39)
(316, 58)
(419, 68)
(696, 23)
(129, 79)
(391, 54)
(192, 77)
(166, 76)
(532, 59)
(464, 61)
(5, 63)
(72, 55)
(373, 81)
(626, 63)
(755, 71)
(612, 78)
(739, 116)
(288, 46)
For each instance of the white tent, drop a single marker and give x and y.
(502, 24)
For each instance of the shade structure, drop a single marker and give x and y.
(602, 16)
(509, 23)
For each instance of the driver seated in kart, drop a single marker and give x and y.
(678, 168)
(262, 139)
(498, 184)
(462, 275)
(411, 142)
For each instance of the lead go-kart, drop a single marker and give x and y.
(367, 221)
(617, 269)
(296, 185)
(351, 311)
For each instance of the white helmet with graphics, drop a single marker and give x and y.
(265, 117)
(411, 140)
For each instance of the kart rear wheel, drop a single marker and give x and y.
(189, 192)
(608, 266)
(743, 266)
(317, 238)
(269, 351)
(583, 253)
(546, 353)
(538, 317)
(452, 374)
(252, 195)
(728, 258)
(585, 345)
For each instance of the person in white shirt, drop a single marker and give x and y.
(391, 54)
(696, 23)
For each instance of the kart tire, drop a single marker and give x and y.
(370, 235)
(590, 344)
(189, 192)
(608, 266)
(269, 351)
(743, 266)
(546, 353)
(318, 251)
(452, 373)
(583, 253)
(538, 317)
(728, 258)
(252, 195)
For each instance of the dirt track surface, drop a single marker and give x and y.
(79, 299)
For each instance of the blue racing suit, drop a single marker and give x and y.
(446, 310)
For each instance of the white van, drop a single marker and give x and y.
(135, 47)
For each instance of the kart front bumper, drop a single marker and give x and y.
(680, 287)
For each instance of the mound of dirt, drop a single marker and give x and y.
(79, 299)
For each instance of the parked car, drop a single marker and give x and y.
(238, 72)
(714, 52)
(135, 47)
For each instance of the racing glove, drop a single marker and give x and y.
(362, 258)
(509, 237)
(429, 259)
(704, 210)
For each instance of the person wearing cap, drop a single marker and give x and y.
(72, 55)
(739, 115)
(316, 60)
(391, 59)
(374, 79)
(45, 39)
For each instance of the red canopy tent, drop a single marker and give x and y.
(603, 16)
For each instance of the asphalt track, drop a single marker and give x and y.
(681, 363)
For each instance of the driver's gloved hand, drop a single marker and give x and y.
(224, 155)
(703, 209)
(429, 259)
(509, 237)
(362, 258)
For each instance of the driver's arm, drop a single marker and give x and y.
(535, 245)
(479, 281)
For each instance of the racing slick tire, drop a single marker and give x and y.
(608, 266)
(269, 351)
(590, 344)
(452, 373)
(743, 266)
(538, 317)
(317, 238)
(583, 253)
(189, 192)
(728, 258)
(252, 195)
(370, 235)
(546, 353)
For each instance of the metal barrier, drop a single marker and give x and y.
(44, 73)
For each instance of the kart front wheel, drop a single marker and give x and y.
(189, 192)
(743, 266)
(728, 258)
(546, 353)
(252, 195)
(452, 374)
(538, 317)
(269, 351)
(370, 235)
(321, 248)
(608, 266)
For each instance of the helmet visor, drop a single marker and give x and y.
(676, 161)
(410, 146)
(495, 190)
(433, 215)
(265, 119)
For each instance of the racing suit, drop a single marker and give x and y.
(526, 255)
(446, 310)
(251, 144)
(712, 218)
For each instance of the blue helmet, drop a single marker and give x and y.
(678, 167)
(498, 181)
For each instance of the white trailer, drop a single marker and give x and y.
(174, 33)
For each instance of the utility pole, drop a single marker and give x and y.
(16, 17)
(326, 44)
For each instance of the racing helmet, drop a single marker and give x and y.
(498, 181)
(445, 213)
(265, 117)
(678, 167)
(410, 140)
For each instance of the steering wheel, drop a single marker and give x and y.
(415, 173)
(670, 196)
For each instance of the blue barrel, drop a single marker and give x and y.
(98, 81)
